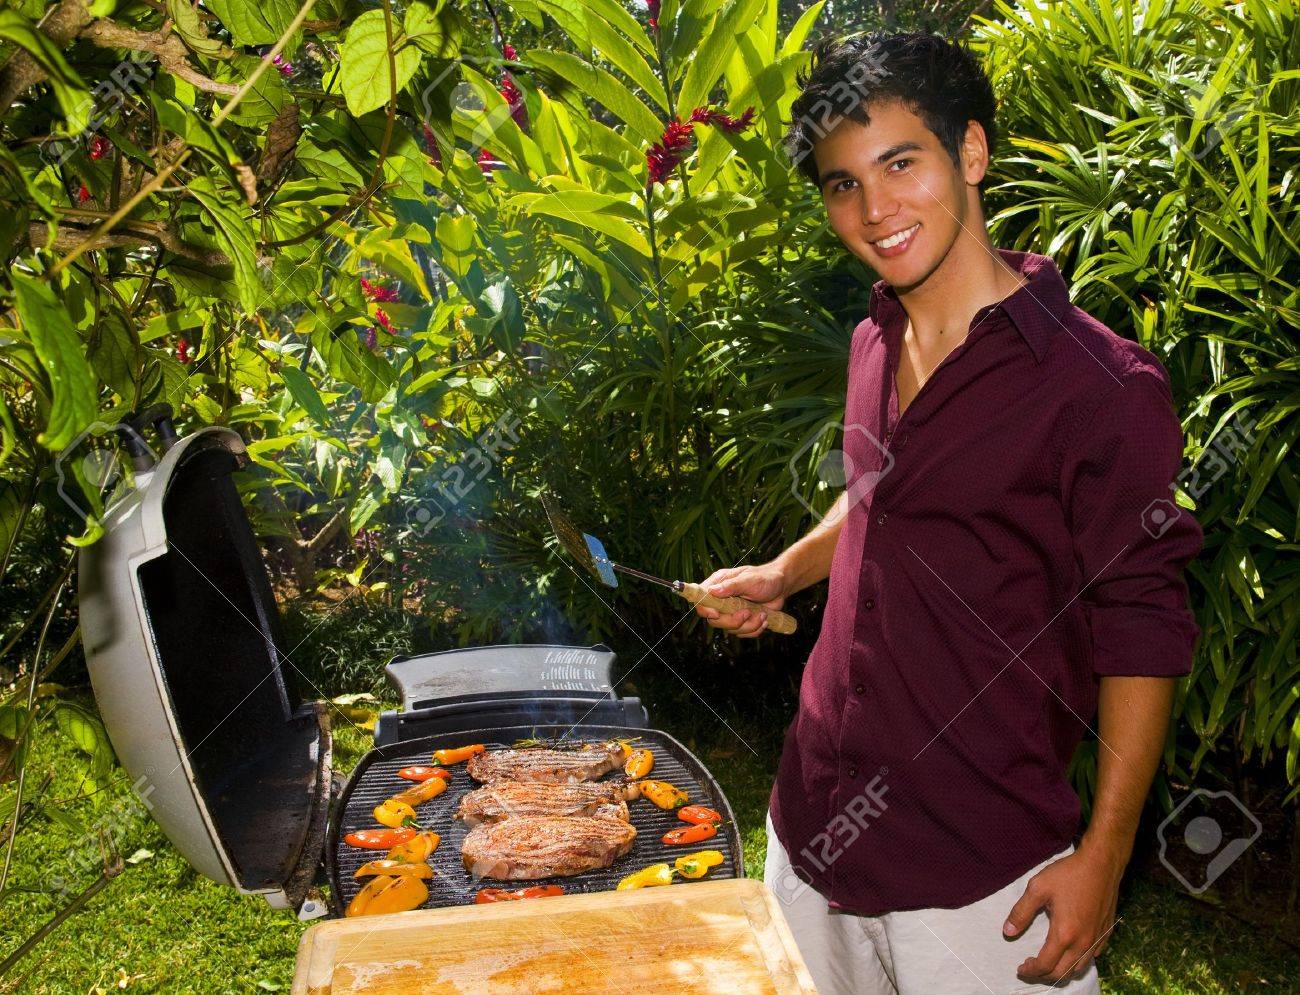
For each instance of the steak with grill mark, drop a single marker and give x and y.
(529, 848)
(516, 799)
(546, 765)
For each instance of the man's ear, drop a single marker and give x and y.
(974, 153)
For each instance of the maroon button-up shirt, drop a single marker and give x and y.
(1012, 539)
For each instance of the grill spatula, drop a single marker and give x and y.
(590, 553)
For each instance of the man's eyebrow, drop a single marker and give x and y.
(833, 174)
(894, 150)
(889, 153)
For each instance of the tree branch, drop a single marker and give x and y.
(171, 52)
(61, 24)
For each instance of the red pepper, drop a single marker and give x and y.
(378, 839)
(423, 773)
(698, 814)
(506, 895)
(691, 834)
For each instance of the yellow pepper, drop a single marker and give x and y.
(649, 877)
(388, 893)
(696, 865)
(394, 813)
(394, 868)
(417, 849)
(639, 764)
(663, 794)
(422, 792)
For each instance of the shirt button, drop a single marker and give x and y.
(869, 604)
(853, 771)
(861, 689)
(880, 520)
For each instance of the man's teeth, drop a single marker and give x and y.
(901, 237)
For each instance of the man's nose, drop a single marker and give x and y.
(877, 205)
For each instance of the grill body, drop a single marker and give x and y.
(375, 779)
(183, 646)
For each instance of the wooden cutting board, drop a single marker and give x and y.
(706, 936)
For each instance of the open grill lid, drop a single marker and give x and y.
(182, 641)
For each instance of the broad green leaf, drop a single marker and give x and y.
(305, 393)
(365, 75)
(235, 235)
(187, 23)
(604, 88)
(62, 356)
(255, 22)
(711, 58)
(434, 31)
(455, 240)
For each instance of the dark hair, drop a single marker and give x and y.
(940, 81)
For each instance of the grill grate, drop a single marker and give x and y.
(376, 779)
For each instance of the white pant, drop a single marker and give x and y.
(924, 952)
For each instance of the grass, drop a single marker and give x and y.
(160, 927)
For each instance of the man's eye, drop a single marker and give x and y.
(899, 162)
(839, 187)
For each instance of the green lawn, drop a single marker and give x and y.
(160, 927)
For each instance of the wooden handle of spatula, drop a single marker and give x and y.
(777, 621)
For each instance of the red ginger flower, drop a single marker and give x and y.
(183, 352)
(509, 52)
(382, 317)
(652, 7)
(707, 115)
(99, 146)
(487, 162)
(377, 291)
(83, 194)
(665, 154)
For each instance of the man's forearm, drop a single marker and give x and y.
(809, 560)
(1133, 718)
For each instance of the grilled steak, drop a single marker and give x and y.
(550, 766)
(517, 799)
(530, 848)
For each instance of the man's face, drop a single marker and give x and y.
(890, 177)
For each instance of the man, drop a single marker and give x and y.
(1005, 572)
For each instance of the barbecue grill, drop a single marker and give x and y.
(181, 631)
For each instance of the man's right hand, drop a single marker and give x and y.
(764, 584)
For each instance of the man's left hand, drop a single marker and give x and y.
(1079, 893)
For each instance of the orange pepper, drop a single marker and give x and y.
(420, 793)
(379, 839)
(415, 848)
(639, 764)
(457, 755)
(389, 893)
(691, 834)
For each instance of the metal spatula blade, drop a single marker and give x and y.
(590, 553)
(586, 549)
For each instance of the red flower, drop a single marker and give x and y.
(487, 163)
(99, 146)
(509, 52)
(384, 320)
(377, 291)
(283, 64)
(665, 154)
(706, 115)
(83, 194)
(652, 7)
(512, 95)
(183, 352)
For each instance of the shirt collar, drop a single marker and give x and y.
(1036, 309)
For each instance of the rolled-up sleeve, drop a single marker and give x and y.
(1131, 539)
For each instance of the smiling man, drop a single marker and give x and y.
(1005, 572)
